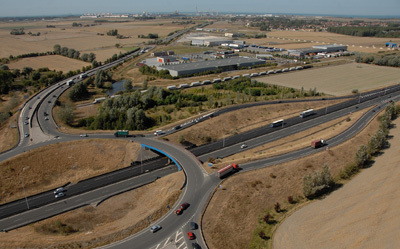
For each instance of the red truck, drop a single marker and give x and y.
(317, 143)
(227, 169)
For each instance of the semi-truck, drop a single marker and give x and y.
(227, 169)
(121, 133)
(317, 143)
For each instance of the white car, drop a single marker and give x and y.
(26, 134)
(59, 195)
(59, 190)
(84, 135)
(243, 146)
(155, 228)
(159, 132)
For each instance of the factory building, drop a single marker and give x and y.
(210, 65)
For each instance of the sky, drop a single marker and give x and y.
(15, 8)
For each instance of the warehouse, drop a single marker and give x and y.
(203, 66)
(316, 49)
(210, 42)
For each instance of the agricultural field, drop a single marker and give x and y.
(84, 39)
(53, 62)
(338, 80)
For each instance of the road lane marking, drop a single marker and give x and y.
(166, 242)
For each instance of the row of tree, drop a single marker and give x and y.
(392, 60)
(371, 31)
(74, 54)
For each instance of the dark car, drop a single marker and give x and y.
(196, 246)
(193, 225)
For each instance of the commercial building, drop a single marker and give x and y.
(210, 65)
(162, 53)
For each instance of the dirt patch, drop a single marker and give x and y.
(243, 120)
(55, 165)
(9, 133)
(113, 220)
(362, 214)
(338, 80)
(251, 193)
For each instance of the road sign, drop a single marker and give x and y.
(210, 164)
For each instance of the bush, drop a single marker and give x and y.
(313, 185)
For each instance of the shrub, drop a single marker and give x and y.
(277, 207)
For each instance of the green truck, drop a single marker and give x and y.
(121, 133)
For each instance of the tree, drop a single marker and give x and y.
(85, 57)
(36, 75)
(57, 49)
(362, 156)
(144, 85)
(66, 114)
(99, 79)
(128, 85)
(91, 57)
(78, 91)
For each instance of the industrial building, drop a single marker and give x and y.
(210, 42)
(316, 49)
(210, 65)
(162, 53)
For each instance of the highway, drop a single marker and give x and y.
(42, 130)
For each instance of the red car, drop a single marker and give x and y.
(185, 205)
(179, 211)
(191, 235)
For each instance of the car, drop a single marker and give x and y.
(56, 136)
(49, 101)
(191, 235)
(26, 134)
(46, 118)
(155, 228)
(193, 225)
(45, 113)
(177, 127)
(243, 146)
(159, 132)
(61, 194)
(196, 246)
(30, 107)
(84, 135)
(179, 211)
(38, 97)
(59, 190)
(55, 96)
(26, 123)
(26, 118)
(185, 205)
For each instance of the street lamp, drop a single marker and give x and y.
(23, 186)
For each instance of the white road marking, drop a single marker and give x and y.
(157, 246)
(166, 242)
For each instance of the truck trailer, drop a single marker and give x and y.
(121, 133)
(227, 169)
(317, 143)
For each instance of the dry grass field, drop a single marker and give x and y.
(84, 39)
(362, 214)
(113, 220)
(55, 165)
(338, 80)
(53, 62)
(250, 194)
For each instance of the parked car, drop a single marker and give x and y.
(155, 228)
(191, 235)
(46, 118)
(196, 246)
(193, 225)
